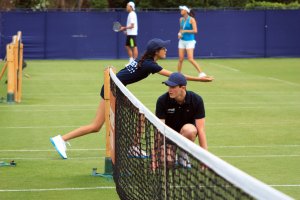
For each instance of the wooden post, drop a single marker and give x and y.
(10, 73)
(107, 109)
(15, 49)
(20, 73)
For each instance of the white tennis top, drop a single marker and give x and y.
(132, 19)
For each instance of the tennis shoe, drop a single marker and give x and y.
(184, 160)
(60, 146)
(137, 152)
(202, 74)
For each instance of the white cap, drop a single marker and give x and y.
(184, 8)
(132, 5)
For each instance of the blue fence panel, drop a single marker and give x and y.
(80, 35)
(32, 25)
(283, 33)
(231, 33)
(89, 35)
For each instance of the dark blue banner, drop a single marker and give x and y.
(89, 35)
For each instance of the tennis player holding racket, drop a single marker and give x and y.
(137, 70)
(131, 30)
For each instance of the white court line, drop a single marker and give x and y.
(96, 188)
(36, 127)
(256, 146)
(59, 95)
(285, 185)
(59, 189)
(283, 81)
(46, 150)
(57, 110)
(251, 107)
(208, 123)
(102, 157)
(102, 149)
(224, 66)
(253, 103)
(259, 156)
(47, 105)
(252, 124)
(47, 158)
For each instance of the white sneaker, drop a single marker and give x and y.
(202, 74)
(60, 146)
(184, 160)
(136, 152)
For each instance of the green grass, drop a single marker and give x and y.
(252, 122)
(3, 86)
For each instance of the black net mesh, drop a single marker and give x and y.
(142, 171)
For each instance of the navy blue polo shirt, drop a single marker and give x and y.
(132, 73)
(177, 115)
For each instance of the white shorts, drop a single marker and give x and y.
(182, 44)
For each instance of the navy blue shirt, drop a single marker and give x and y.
(177, 115)
(132, 73)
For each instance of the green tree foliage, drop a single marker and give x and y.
(272, 5)
(146, 4)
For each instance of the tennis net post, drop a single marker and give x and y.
(108, 170)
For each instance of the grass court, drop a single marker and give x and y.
(252, 122)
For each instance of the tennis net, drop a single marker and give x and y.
(152, 161)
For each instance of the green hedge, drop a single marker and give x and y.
(271, 5)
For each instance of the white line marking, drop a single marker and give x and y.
(258, 156)
(58, 110)
(212, 146)
(59, 189)
(47, 158)
(208, 123)
(283, 81)
(284, 185)
(60, 94)
(252, 107)
(96, 188)
(224, 66)
(254, 103)
(102, 157)
(36, 127)
(46, 150)
(257, 146)
(40, 105)
(253, 124)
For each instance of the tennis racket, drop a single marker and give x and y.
(116, 26)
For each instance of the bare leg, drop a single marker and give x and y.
(95, 126)
(189, 131)
(135, 52)
(190, 56)
(129, 51)
(180, 59)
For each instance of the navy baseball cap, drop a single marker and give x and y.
(156, 44)
(176, 79)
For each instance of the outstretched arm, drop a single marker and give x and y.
(167, 73)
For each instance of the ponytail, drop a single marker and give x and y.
(147, 55)
(192, 13)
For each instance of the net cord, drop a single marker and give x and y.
(247, 183)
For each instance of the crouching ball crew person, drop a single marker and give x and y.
(183, 111)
